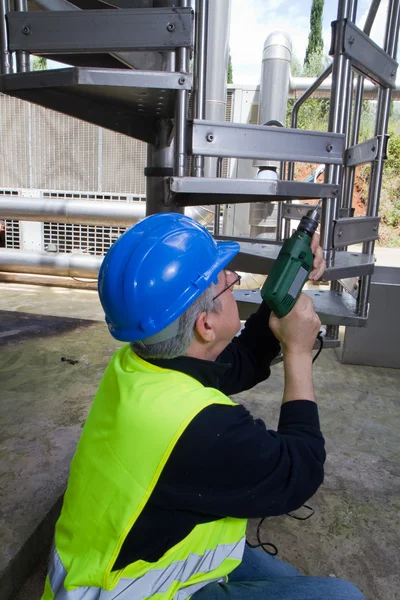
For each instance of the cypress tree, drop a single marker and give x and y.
(230, 69)
(315, 41)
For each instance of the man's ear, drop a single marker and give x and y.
(205, 327)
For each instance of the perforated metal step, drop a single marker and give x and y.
(333, 308)
(258, 257)
(125, 101)
(193, 191)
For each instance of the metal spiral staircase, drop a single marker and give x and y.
(131, 74)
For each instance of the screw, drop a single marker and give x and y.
(340, 232)
(393, 74)
(329, 148)
(350, 155)
(375, 228)
(170, 27)
(26, 30)
(210, 137)
(373, 149)
(351, 40)
(181, 80)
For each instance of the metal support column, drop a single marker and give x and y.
(182, 65)
(217, 70)
(383, 108)
(161, 158)
(23, 64)
(200, 67)
(6, 57)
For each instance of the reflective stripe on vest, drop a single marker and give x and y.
(156, 581)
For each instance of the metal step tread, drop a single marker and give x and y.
(123, 100)
(333, 308)
(258, 257)
(193, 191)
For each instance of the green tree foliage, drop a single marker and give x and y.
(39, 63)
(315, 41)
(230, 69)
(296, 68)
(314, 113)
(316, 63)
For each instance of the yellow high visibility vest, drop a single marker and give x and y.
(138, 414)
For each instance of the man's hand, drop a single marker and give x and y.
(319, 264)
(298, 330)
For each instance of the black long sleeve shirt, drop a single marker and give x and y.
(226, 463)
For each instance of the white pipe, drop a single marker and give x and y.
(48, 263)
(49, 280)
(86, 212)
(219, 14)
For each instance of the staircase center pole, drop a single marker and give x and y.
(161, 157)
(200, 70)
(6, 58)
(23, 64)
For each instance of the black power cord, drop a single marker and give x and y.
(266, 545)
(321, 345)
(261, 544)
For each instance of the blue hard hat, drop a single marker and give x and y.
(155, 271)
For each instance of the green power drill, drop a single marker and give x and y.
(292, 267)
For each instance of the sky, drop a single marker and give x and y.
(253, 20)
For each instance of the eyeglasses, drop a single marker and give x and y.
(235, 280)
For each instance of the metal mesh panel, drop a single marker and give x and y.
(65, 152)
(43, 149)
(123, 162)
(15, 147)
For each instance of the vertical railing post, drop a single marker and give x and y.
(200, 65)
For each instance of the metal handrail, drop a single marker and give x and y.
(296, 107)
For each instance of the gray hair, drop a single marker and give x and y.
(180, 343)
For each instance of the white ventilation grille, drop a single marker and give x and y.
(12, 234)
(79, 239)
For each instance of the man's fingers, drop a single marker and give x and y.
(317, 273)
(315, 243)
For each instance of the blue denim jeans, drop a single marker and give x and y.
(264, 577)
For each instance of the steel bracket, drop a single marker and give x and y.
(96, 31)
(366, 56)
(355, 230)
(362, 153)
(235, 140)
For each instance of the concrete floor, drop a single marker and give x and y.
(355, 532)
